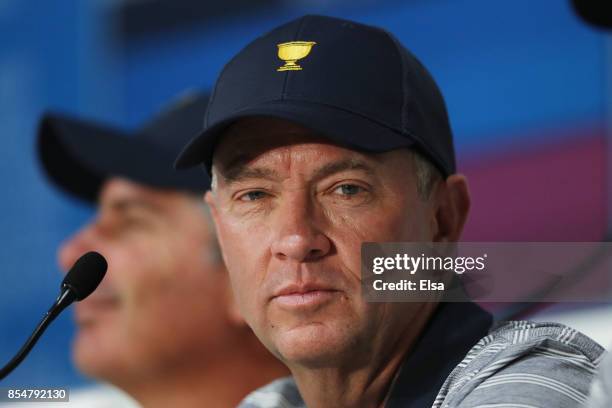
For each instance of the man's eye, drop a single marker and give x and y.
(252, 196)
(348, 189)
(133, 222)
(123, 225)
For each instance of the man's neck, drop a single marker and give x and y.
(369, 384)
(221, 382)
(189, 390)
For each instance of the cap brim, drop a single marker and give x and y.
(80, 155)
(341, 126)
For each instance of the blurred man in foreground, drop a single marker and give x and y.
(161, 326)
(324, 134)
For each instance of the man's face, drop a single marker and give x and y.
(292, 211)
(164, 294)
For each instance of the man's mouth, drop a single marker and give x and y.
(94, 307)
(299, 296)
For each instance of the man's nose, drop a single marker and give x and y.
(75, 246)
(298, 236)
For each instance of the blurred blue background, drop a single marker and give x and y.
(517, 75)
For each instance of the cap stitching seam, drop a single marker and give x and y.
(402, 78)
(297, 34)
(429, 148)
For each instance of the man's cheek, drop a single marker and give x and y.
(237, 241)
(245, 298)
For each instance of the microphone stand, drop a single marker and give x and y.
(65, 298)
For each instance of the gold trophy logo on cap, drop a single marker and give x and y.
(291, 52)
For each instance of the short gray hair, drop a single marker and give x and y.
(427, 174)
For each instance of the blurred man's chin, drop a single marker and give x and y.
(92, 352)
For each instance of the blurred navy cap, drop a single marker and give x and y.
(79, 155)
(353, 83)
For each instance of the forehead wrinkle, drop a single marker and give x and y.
(263, 133)
(238, 168)
(121, 194)
(288, 156)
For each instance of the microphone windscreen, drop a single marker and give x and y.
(86, 274)
(594, 12)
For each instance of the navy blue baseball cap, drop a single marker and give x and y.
(353, 83)
(79, 155)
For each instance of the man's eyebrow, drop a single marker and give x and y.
(128, 203)
(240, 172)
(342, 165)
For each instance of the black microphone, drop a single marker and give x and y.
(594, 12)
(82, 279)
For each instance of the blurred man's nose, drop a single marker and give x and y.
(297, 235)
(75, 246)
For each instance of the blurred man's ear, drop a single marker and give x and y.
(210, 201)
(451, 199)
(233, 311)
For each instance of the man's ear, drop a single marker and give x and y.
(209, 199)
(452, 201)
